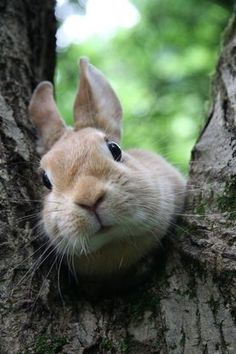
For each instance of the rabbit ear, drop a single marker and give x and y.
(45, 116)
(96, 104)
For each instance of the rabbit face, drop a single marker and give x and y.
(92, 200)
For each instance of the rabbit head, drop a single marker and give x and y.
(99, 200)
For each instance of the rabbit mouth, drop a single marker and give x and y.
(103, 228)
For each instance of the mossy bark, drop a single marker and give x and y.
(188, 304)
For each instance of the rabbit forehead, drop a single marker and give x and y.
(74, 150)
(80, 137)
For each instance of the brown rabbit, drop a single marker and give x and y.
(105, 208)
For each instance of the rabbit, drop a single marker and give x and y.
(103, 207)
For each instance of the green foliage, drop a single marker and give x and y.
(161, 70)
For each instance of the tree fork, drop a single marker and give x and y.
(188, 306)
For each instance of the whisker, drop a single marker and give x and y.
(58, 272)
(43, 283)
(28, 217)
(37, 264)
(73, 261)
(29, 200)
(32, 255)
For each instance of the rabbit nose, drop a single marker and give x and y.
(91, 205)
(89, 193)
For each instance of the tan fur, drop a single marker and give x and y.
(135, 200)
(45, 116)
(96, 104)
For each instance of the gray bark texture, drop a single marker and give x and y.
(188, 304)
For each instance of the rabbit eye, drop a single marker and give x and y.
(46, 181)
(115, 150)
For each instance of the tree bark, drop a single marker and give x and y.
(188, 303)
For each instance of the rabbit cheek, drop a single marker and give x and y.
(140, 217)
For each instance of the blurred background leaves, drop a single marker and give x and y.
(160, 61)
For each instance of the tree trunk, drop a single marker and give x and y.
(188, 305)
